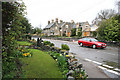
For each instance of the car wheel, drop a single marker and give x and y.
(94, 46)
(81, 44)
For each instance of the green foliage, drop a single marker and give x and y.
(73, 32)
(48, 43)
(61, 61)
(24, 43)
(109, 30)
(94, 34)
(79, 34)
(12, 29)
(36, 30)
(80, 74)
(65, 47)
(40, 63)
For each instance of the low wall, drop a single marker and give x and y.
(59, 38)
(112, 43)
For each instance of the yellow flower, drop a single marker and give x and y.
(27, 53)
(60, 54)
(80, 75)
(56, 59)
(22, 50)
(67, 55)
(30, 54)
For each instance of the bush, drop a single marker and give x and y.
(48, 43)
(51, 44)
(73, 32)
(79, 34)
(65, 47)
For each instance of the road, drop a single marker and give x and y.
(99, 55)
(108, 54)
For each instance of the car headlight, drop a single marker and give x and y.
(99, 44)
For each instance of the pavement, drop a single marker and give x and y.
(92, 70)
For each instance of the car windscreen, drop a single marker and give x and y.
(94, 40)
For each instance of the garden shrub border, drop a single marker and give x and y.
(75, 68)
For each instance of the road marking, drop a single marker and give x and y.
(117, 69)
(97, 62)
(108, 66)
(88, 60)
(101, 64)
(111, 71)
(110, 53)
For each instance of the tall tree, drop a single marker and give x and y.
(109, 30)
(12, 15)
(104, 15)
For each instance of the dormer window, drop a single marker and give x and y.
(66, 26)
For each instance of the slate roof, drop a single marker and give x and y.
(50, 25)
(94, 27)
(73, 25)
(61, 24)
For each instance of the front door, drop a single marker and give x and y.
(85, 33)
(68, 34)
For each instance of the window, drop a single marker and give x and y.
(88, 34)
(66, 26)
(94, 40)
(56, 27)
(87, 39)
(84, 39)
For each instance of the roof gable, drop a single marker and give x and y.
(49, 25)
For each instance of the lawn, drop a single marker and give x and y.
(26, 43)
(40, 65)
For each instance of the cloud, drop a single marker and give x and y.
(40, 11)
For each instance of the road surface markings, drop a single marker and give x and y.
(110, 53)
(111, 71)
(105, 67)
(117, 69)
(97, 62)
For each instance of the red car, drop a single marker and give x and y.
(91, 42)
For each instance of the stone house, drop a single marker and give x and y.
(86, 29)
(59, 28)
(94, 27)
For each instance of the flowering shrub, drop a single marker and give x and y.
(65, 47)
(23, 52)
(61, 61)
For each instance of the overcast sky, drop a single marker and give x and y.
(40, 11)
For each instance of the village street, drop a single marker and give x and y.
(90, 56)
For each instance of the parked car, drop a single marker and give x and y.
(92, 42)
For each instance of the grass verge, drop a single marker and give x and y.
(24, 43)
(40, 65)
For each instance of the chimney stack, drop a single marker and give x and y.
(57, 20)
(72, 21)
(61, 21)
(52, 21)
(48, 22)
